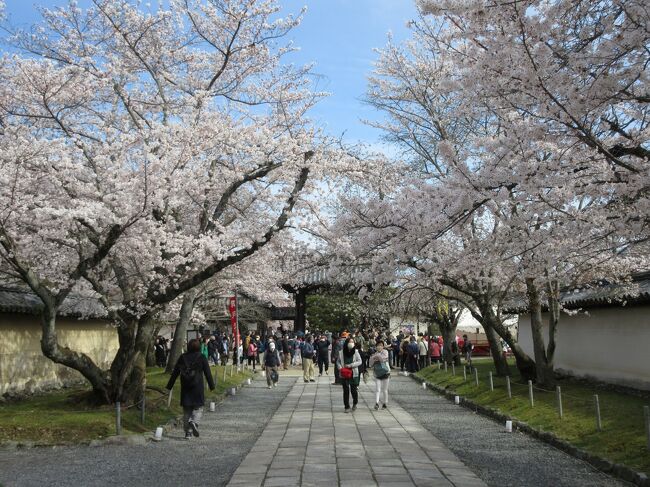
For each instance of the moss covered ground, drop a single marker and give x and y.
(66, 417)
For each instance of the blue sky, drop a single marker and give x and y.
(338, 35)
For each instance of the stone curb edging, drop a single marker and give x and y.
(615, 469)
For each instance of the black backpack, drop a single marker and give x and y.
(188, 371)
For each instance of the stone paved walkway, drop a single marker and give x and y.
(311, 442)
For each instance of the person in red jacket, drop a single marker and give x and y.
(434, 350)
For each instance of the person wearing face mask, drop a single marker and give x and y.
(380, 365)
(348, 363)
(271, 363)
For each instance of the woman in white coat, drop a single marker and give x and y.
(348, 363)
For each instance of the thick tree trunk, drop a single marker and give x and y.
(128, 369)
(553, 318)
(525, 364)
(184, 319)
(545, 373)
(151, 351)
(500, 362)
(448, 335)
(98, 378)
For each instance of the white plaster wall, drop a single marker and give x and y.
(610, 344)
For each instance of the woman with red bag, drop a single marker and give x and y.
(348, 364)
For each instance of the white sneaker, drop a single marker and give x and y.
(270, 387)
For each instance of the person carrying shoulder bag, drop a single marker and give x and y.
(381, 370)
(348, 363)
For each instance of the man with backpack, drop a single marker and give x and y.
(307, 353)
(192, 366)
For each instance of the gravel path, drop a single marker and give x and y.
(498, 458)
(226, 437)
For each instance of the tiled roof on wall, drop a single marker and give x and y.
(16, 300)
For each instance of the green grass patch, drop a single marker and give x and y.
(64, 417)
(621, 440)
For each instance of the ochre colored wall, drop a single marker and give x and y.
(22, 364)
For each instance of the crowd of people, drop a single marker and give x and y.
(353, 356)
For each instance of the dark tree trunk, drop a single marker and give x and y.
(184, 318)
(128, 370)
(525, 365)
(99, 379)
(448, 336)
(500, 362)
(545, 373)
(151, 351)
(553, 317)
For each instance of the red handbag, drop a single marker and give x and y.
(345, 373)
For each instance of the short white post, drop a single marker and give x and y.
(424, 385)
(559, 402)
(224, 373)
(599, 424)
(445, 366)
(508, 387)
(465, 374)
(530, 393)
(509, 426)
(438, 365)
(476, 376)
(453, 369)
(231, 370)
(456, 399)
(491, 381)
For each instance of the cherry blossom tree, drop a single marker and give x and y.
(143, 153)
(525, 126)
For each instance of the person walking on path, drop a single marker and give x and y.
(286, 352)
(204, 347)
(468, 347)
(307, 352)
(380, 365)
(251, 353)
(349, 361)
(271, 363)
(413, 351)
(424, 351)
(192, 366)
(323, 349)
(403, 352)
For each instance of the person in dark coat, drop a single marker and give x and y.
(271, 364)
(323, 351)
(192, 366)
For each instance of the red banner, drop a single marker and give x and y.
(232, 309)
